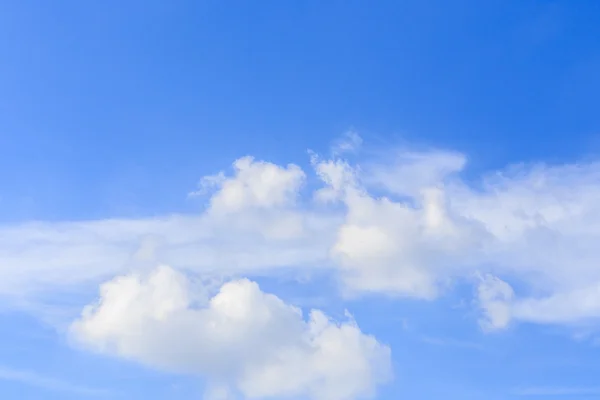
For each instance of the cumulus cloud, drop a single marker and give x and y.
(397, 247)
(399, 222)
(250, 226)
(535, 225)
(242, 337)
(255, 184)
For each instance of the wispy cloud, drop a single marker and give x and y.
(557, 391)
(33, 379)
(350, 142)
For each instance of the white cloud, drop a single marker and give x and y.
(395, 247)
(495, 297)
(242, 336)
(557, 391)
(544, 223)
(41, 257)
(52, 384)
(500, 306)
(402, 223)
(255, 184)
(535, 225)
(561, 307)
(406, 173)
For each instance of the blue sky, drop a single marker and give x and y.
(112, 113)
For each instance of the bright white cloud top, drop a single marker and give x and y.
(401, 224)
(242, 337)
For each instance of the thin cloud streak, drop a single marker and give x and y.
(33, 379)
(557, 391)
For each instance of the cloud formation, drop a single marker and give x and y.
(241, 337)
(255, 184)
(398, 223)
(51, 384)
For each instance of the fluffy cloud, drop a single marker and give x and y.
(535, 225)
(241, 337)
(250, 226)
(399, 247)
(401, 223)
(255, 184)
(398, 223)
